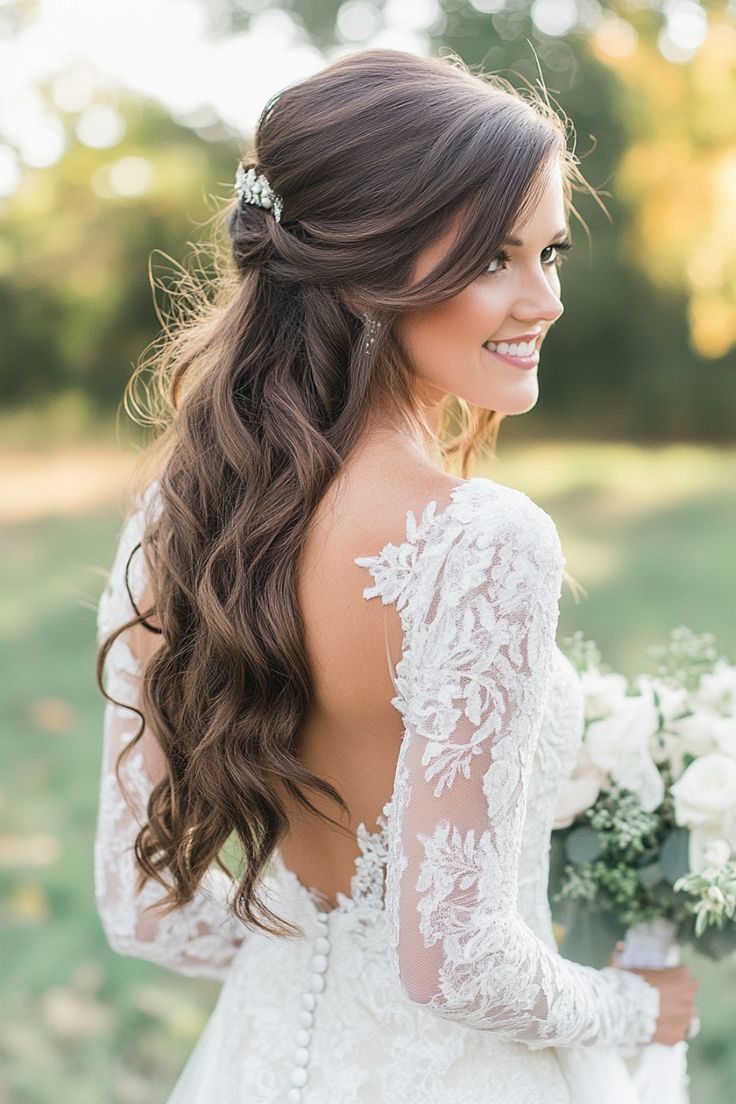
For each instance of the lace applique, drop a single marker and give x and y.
(367, 883)
(479, 586)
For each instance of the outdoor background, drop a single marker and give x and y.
(121, 122)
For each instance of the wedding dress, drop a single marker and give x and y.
(438, 979)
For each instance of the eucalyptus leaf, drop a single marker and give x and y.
(650, 875)
(583, 845)
(590, 935)
(674, 858)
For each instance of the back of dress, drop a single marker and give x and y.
(428, 981)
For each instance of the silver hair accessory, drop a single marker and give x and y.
(252, 188)
(372, 326)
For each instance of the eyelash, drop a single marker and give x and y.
(562, 247)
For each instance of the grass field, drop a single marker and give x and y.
(651, 536)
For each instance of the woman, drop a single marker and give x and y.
(396, 242)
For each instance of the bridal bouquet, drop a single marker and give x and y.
(646, 826)
(644, 846)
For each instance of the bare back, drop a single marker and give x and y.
(353, 734)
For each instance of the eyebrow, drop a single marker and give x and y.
(517, 241)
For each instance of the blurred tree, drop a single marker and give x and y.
(651, 88)
(645, 347)
(678, 173)
(76, 308)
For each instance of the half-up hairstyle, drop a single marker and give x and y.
(269, 386)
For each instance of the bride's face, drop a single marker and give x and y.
(516, 300)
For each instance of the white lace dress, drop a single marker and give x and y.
(438, 980)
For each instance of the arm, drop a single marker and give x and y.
(200, 938)
(479, 635)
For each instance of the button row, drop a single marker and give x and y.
(303, 1037)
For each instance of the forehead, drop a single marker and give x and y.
(546, 218)
(549, 213)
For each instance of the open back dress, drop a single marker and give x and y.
(438, 979)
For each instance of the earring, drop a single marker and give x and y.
(372, 327)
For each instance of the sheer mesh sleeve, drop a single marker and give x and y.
(200, 938)
(479, 628)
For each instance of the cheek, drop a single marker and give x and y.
(471, 317)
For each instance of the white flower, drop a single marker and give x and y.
(709, 853)
(716, 853)
(580, 791)
(717, 690)
(702, 860)
(602, 693)
(724, 732)
(620, 746)
(696, 733)
(672, 700)
(705, 796)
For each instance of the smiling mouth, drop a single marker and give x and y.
(520, 359)
(520, 349)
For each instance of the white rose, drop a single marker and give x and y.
(672, 700)
(579, 792)
(602, 693)
(666, 748)
(641, 777)
(696, 733)
(717, 690)
(717, 853)
(707, 851)
(705, 796)
(620, 746)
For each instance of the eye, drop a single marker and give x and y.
(502, 256)
(559, 249)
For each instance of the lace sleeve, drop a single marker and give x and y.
(200, 938)
(479, 630)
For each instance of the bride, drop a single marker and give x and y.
(388, 769)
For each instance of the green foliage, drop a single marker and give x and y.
(76, 308)
(583, 845)
(674, 856)
(686, 657)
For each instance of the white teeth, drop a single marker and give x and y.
(514, 348)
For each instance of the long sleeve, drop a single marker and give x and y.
(479, 612)
(200, 938)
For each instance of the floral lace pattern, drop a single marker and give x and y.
(444, 983)
(478, 589)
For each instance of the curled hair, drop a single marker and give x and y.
(268, 387)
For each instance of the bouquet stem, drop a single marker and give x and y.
(659, 1072)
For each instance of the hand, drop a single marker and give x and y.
(677, 988)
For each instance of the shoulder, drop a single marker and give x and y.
(468, 531)
(474, 515)
(491, 539)
(492, 513)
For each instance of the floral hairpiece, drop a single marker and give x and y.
(252, 188)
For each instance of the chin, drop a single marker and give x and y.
(518, 404)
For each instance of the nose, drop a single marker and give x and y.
(538, 299)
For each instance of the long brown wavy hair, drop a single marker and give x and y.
(268, 385)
